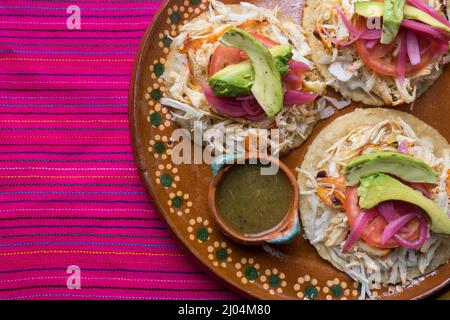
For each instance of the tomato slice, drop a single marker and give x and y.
(224, 56)
(264, 40)
(381, 60)
(373, 231)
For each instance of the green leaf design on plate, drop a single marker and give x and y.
(310, 292)
(155, 119)
(158, 69)
(202, 234)
(251, 273)
(166, 180)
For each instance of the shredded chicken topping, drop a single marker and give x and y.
(349, 71)
(328, 225)
(188, 65)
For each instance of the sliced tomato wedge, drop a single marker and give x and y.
(373, 231)
(381, 59)
(264, 40)
(224, 56)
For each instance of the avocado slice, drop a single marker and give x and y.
(380, 187)
(234, 80)
(237, 79)
(372, 9)
(398, 164)
(369, 9)
(282, 54)
(416, 14)
(267, 87)
(392, 19)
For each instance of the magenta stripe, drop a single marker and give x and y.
(69, 190)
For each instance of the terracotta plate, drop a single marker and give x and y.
(181, 191)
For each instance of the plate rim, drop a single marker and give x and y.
(142, 170)
(138, 156)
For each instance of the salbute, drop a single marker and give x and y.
(190, 310)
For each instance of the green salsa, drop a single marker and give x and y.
(251, 203)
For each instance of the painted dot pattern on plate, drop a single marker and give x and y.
(247, 270)
(199, 230)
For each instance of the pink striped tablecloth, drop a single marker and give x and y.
(69, 191)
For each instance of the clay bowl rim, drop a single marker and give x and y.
(288, 220)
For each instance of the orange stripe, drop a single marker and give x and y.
(70, 177)
(66, 59)
(90, 261)
(64, 121)
(65, 137)
(90, 252)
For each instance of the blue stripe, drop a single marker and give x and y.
(68, 152)
(84, 243)
(101, 269)
(64, 105)
(67, 52)
(73, 192)
(62, 129)
(30, 270)
(63, 9)
(83, 226)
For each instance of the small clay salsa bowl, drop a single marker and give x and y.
(253, 208)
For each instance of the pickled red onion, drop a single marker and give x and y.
(395, 226)
(298, 67)
(294, 97)
(424, 235)
(361, 221)
(292, 80)
(242, 107)
(426, 29)
(419, 4)
(374, 34)
(388, 212)
(412, 45)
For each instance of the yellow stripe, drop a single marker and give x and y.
(91, 261)
(64, 121)
(66, 59)
(70, 177)
(90, 252)
(65, 137)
